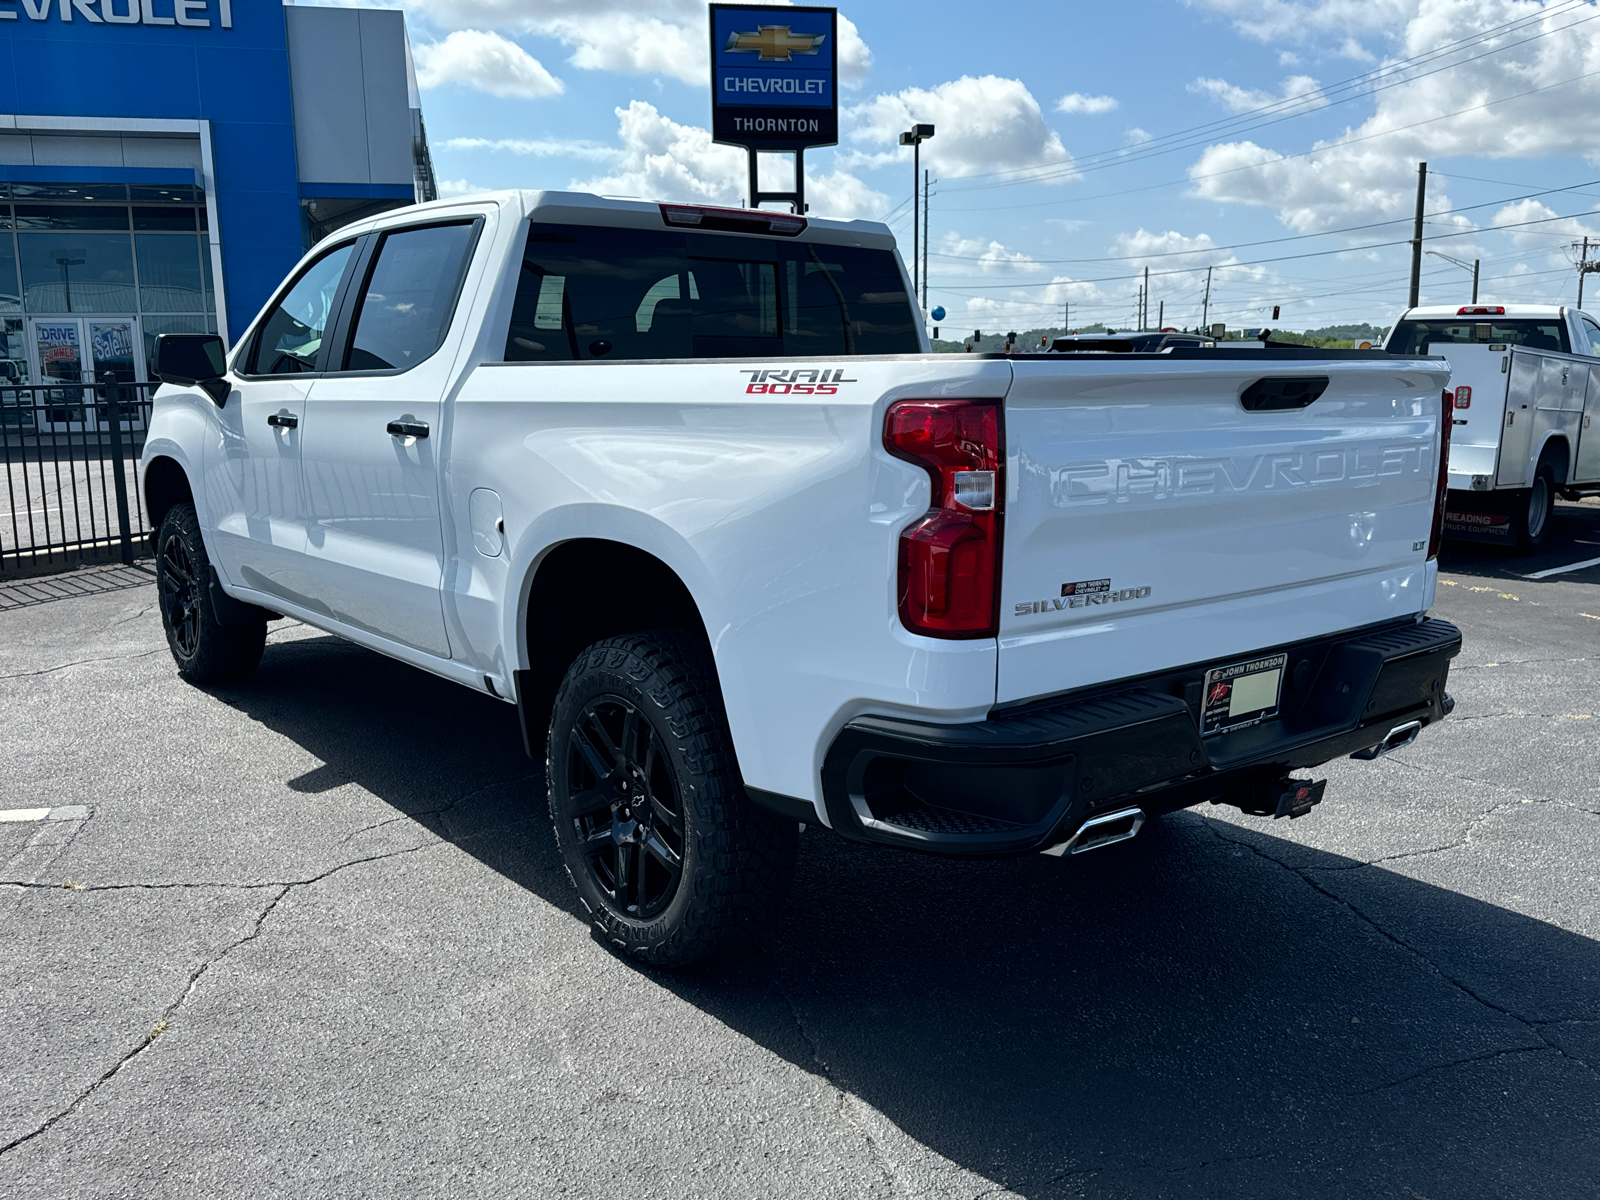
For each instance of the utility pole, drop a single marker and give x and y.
(926, 197)
(1144, 308)
(1161, 318)
(1475, 264)
(1205, 305)
(1583, 261)
(1416, 236)
(1066, 316)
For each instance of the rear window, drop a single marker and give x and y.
(588, 293)
(1413, 337)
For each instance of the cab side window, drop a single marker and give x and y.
(1592, 332)
(404, 311)
(291, 337)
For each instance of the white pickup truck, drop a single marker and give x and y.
(1526, 391)
(687, 487)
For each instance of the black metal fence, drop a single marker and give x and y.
(71, 495)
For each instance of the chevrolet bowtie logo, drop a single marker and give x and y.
(774, 43)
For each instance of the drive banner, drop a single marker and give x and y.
(774, 77)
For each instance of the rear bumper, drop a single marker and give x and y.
(1030, 776)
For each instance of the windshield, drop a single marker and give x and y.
(1543, 333)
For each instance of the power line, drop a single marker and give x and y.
(1277, 241)
(1281, 158)
(1278, 110)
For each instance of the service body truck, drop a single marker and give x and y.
(687, 487)
(1526, 393)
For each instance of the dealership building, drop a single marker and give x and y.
(164, 163)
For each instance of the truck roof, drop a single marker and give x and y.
(629, 212)
(1437, 312)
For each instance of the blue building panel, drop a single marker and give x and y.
(235, 75)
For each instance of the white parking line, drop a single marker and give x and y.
(1578, 566)
(65, 812)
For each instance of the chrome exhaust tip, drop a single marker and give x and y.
(1104, 830)
(1397, 738)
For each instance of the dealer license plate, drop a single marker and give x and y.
(1242, 694)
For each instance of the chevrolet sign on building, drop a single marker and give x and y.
(164, 163)
(774, 83)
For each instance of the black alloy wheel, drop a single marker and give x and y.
(206, 650)
(180, 595)
(626, 812)
(670, 860)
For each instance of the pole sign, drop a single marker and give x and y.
(774, 77)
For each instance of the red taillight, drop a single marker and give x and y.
(1463, 396)
(1446, 420)
(1481, 310)
(950, 556)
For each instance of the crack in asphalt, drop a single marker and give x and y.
(1511, 662)
(204, 884)
(1528, 797)
(1531, 1026)
(132, 616)
(874, 1152)
(1489, 1056)
(84, 662)
(164, 1022)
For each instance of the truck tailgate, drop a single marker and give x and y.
(1152, 521)
(1475, 441)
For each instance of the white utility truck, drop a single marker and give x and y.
(1526, 392)
(687, 487)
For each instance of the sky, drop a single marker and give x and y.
(1274, 141)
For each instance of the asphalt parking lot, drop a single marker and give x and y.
(309, 937)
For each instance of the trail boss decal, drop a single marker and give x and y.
(795, 381)
(1083, 594)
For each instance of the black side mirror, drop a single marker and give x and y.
(192, 360)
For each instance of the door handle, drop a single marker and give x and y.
(283, 421)
(416, 429)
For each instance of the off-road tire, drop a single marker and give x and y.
(1535, 508)
(736, 861)
(206, 652)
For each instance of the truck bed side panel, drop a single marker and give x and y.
(780, 512)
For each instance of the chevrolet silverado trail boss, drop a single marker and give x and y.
(687, 487)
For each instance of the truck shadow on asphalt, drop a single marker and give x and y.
(1206, 1010)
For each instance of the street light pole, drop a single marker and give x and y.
(914, 137)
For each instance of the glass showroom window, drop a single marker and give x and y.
(138, 252)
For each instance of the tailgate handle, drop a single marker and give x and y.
(1278, 395)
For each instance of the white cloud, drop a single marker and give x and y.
(1551, 234)
(1077, 102)
(1369, 173)
(539, 147)
(614, 35)
(1288, 58)
(449, 189)
(660, 159)
(986, 256)
(486, 62)
(1300, 93)
(841, 196)
(663, 160)
(982, 124)
(1303, 20)
(1136, 137)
